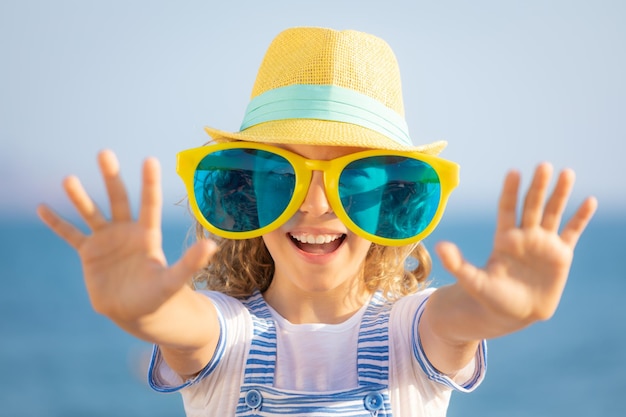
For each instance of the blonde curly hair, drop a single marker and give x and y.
(239, 267)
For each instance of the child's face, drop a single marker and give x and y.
(333, 263)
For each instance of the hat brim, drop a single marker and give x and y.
(320, 132)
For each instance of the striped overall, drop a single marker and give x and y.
(258, 397)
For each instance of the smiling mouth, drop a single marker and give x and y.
(318, 244)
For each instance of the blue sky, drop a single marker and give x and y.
(507, 83)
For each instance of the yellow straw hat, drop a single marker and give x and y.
(319, 86)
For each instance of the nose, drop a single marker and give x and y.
(316, 203)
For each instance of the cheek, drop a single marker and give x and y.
(271, 239)
(359, 246)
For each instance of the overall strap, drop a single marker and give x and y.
(373, 344)
(261, 360)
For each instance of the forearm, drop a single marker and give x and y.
(459, 318)
(453, 325)
(181, 321)
(185, 327)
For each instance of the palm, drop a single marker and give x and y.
(121, 261)
(533, 266)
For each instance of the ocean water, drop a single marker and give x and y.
(59, 358)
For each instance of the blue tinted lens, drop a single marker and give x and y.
(240, 190)
(394, 197)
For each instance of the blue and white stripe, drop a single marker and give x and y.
(261, 361)
(373, 345)
(258, 397)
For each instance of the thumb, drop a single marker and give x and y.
(195, 258)
(466, 274)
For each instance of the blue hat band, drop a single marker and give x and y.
(326, 102)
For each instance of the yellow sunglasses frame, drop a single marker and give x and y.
(188, 160)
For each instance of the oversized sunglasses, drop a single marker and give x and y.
(241, 190)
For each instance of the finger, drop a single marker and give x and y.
(579, 221)
(65, 230)
(85, 206)
(558, 200)
(533, 203)
(118, 198)
(194, 259)
(151, 195)
(507, 205)
(465, 273)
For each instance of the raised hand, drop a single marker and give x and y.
(524, 277)
(124, 267)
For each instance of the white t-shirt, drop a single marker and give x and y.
(325, 357)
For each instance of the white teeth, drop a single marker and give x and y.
(315, 239)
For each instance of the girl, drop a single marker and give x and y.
(306, 218)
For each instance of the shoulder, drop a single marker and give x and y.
(230, 308)
(222, 300)
(404, 318)
(236, 325)
(405, 308)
